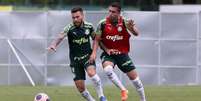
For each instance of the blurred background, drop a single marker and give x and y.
(167, 52)
(143, 5)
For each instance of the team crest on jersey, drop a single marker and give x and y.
(119, 29)
(87, 31)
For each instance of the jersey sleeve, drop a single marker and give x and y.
(66, 29)
(92, 32)
(100, 27)
(98, 30)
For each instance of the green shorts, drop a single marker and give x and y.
(123, 61)
(78, 68)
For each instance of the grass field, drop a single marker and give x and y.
(66, 93)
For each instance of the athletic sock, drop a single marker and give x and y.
(139, 87)
(87, 95)
(98, 85)
(113, 77)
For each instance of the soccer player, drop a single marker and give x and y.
(113, 35)
(79, 33)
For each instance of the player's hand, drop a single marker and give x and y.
(131, 27)
(130, 24)
(92, 58)
(51, 48)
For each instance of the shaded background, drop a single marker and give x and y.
(167, 52)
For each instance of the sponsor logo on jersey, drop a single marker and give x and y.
(114, 38)
(81, 41)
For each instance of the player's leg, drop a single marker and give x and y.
(108, 64)
(108, 69)
(137, 83)
(84, 92)
(79, 78)
(91, 71)
(126, 65)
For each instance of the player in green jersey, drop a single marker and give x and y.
(79, 33)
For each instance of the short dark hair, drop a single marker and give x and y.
(76, 9)
(117, 5)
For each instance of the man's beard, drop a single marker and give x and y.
(77, 23)
(114, 20)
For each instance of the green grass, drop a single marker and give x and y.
(66, 93)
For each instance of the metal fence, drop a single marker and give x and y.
(168, 50)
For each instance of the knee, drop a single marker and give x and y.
(91, 72)
(108, 70)
(132, 75)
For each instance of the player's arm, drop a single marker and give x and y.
(98, 36)
(59, 38)
(95, 45)
(131, 26)
(56, 42)
(102, 46)
(96, 39)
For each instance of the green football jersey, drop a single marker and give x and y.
(79, 40)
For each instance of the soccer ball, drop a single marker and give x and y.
(41, 97)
